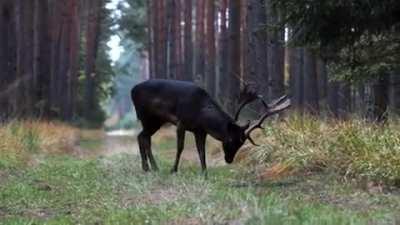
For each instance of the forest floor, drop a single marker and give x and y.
(101, 182)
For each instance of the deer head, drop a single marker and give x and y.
(238, 134)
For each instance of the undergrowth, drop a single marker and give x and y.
(354, 149)
(20, 140)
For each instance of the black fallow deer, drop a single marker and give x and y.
(190, 108)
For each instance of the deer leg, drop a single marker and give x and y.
(142, 146)
(149, 152)
(152, 160)
(200, 144)
(180, 133)
(145, 145)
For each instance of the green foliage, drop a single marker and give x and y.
(133, 21)
(128, 71)
(22, 140)
(359, 39)
(114, 190)
(64, 190)
(351, 149)
(103, 81)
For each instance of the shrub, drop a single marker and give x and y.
(353, 148)
(21, 139)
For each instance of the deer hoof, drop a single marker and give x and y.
(145, 168)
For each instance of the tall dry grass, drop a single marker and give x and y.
(19, 140)
(354, 149)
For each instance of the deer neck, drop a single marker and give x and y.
(216, 122)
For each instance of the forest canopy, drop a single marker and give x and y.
(54, 59)
(335, 58)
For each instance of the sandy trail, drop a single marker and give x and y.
(125, 141)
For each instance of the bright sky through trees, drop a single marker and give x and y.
(114, 42)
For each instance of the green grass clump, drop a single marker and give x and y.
(353, 148)
(65, 190)
(20, 140)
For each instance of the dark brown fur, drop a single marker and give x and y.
(190, 108)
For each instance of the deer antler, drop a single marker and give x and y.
(275, 107)
(247, 96)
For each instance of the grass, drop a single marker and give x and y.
(354, 149)
(21, 140)
(64, 189)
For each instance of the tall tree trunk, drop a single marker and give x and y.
(41, 70)
(55, 36)
(200, 42)
(296, 71)
(381, 98)
(92, 35)
(188, 42)
(257, 45)
(333, 98)
(73, 56)
(360, 103)
(211, 48)
(175, 42)
(234, 55)
(244, 62)
(223, 53)
(171, 39)
(322, 80)
(276, 54)
(162, 40)
(24, 70)
(345, 99)
(395, 92)
(156, 38)
(151, 36)
(7, 57)
(311, 95)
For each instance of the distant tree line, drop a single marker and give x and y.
(53, 61)
(333, 57)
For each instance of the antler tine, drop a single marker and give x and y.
(277, 101)
(279, 107)
(248, 96)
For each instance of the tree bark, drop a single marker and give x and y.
(276, 54)
(234, 55)
(322, 80)
(151, 37)
(24, 69)
(395, 92)
(333, 98)
(296, 71)
(200, 43)
(381, 98)
(311, 95)
(162, 40)
(92, 33)
(171, 39)
(188, 42)
(41, 70)
(7, 58)
(156, 38)
(211, 48)
(223, 53)
(175, 41)
(257, 45)
(344, 100)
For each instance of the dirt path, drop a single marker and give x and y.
(95, 143)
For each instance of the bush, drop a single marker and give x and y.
(21, 139)
(351, 148)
